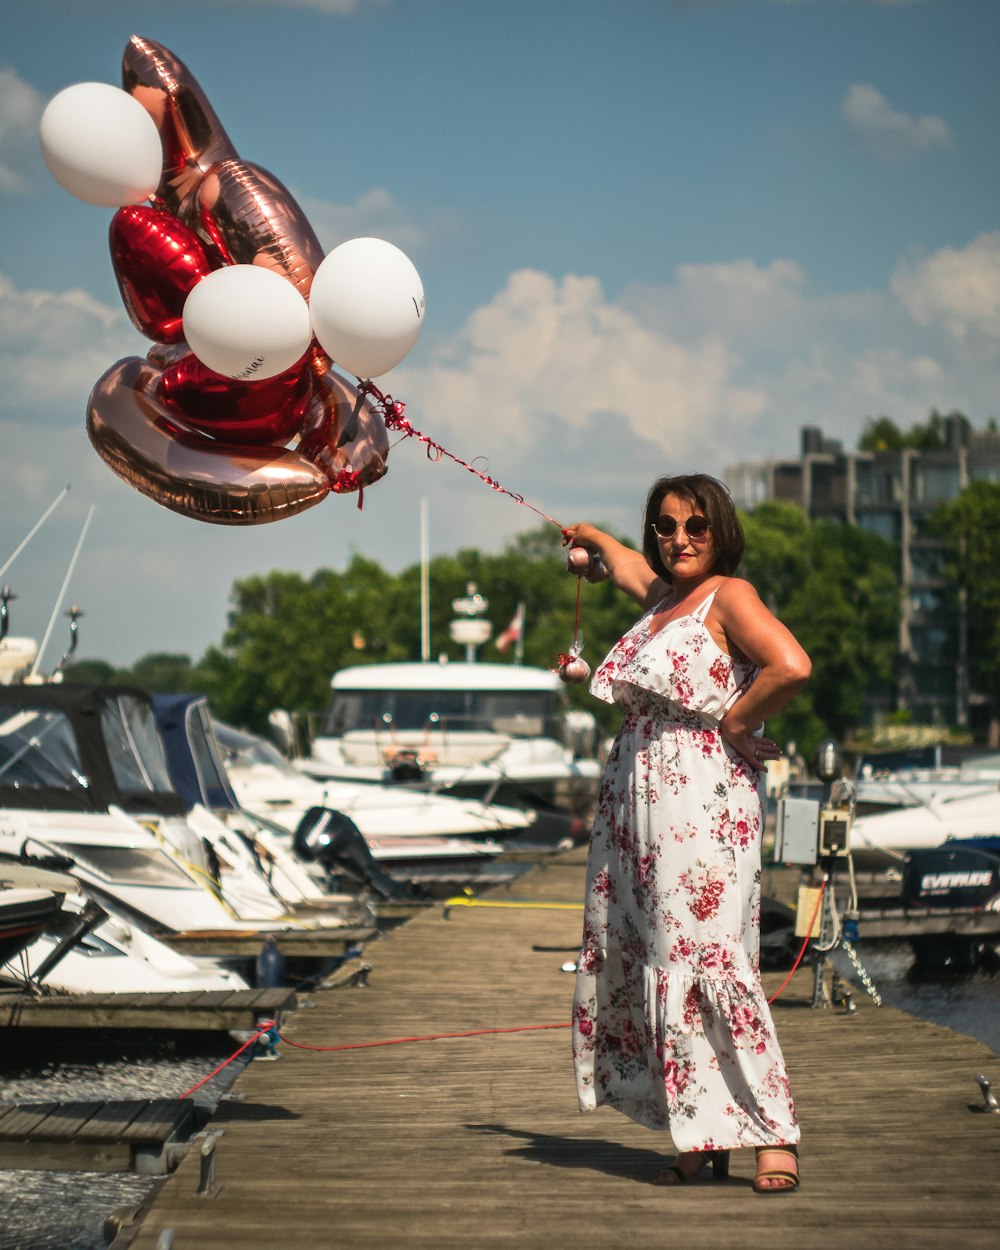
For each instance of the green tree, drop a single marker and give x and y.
(883, 434)
(969, 526)
(837, 590)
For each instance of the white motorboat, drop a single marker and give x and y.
(503, 732)
(83, 777)
(25, 913)
(890, 835)
(292, 825)
(87, 948)
(394, 820)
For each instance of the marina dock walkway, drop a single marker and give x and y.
(477, 1141)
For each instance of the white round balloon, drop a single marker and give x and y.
(246, 322)
(101, 145)
(367, 306)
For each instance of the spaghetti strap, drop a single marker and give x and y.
(702, 610)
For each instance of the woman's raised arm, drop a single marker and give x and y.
(626, 567)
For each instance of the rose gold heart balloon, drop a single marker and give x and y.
(157, 261)
(192, 135)
(349, 443)
(270, 411)
(244, 214)
(253, 219)
(152, 449)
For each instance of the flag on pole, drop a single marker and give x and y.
(514, 631)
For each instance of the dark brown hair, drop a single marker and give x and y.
(711, 498)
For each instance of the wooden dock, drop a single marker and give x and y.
(144, 1135)
(476, 1141)
(194, 1011)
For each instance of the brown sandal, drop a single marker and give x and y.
(789, 1179)
(676, 1175)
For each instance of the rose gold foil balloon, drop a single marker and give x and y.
(157, 261)
(152, 449)
(351, 449)
(574, 670)
(270, 411)
(252, 219)
(192, 135)
(243, 213)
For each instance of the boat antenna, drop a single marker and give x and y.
(62, 592)
(35, 528)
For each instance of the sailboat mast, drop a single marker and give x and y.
(425, 607)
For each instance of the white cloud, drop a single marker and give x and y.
(886, 132)
(957, 289)
(375, 214)
(20, 110)
(54, 345)
(559, 351)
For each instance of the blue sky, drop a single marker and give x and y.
(654, 235)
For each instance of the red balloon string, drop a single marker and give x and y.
(392, 414)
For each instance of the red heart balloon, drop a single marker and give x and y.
(270, 411)
(157, 260)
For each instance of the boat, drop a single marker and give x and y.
(83, 780)
(498, 732)
(395, 820)
(25, 913)
(890, 836)
(86, 947)
(313, 835)
(888, 780)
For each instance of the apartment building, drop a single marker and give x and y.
(892, 493)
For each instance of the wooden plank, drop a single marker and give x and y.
(26, 1118)
(203, 1010)
(65, 1156)
(113, 1120)
(68, 1120)
(161, 1119)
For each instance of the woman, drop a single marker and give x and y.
(671, 1026)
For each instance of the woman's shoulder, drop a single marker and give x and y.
(733, 594)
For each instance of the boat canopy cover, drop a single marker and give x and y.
(193, 756)
(454, 675)
(80, 747)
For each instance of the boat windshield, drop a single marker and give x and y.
(242, 750)
(126, 865)
(134, 747)
(38, 750)
(516, 713)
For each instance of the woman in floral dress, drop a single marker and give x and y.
(671, 1026)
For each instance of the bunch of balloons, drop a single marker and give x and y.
(236, 414)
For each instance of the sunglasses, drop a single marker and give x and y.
(696, 527)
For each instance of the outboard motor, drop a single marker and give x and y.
(958, 874)
(961, 873)
(330, 838)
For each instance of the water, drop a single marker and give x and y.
(67, 1210)
(968, 1003)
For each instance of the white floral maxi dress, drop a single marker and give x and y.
(670, 1023)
